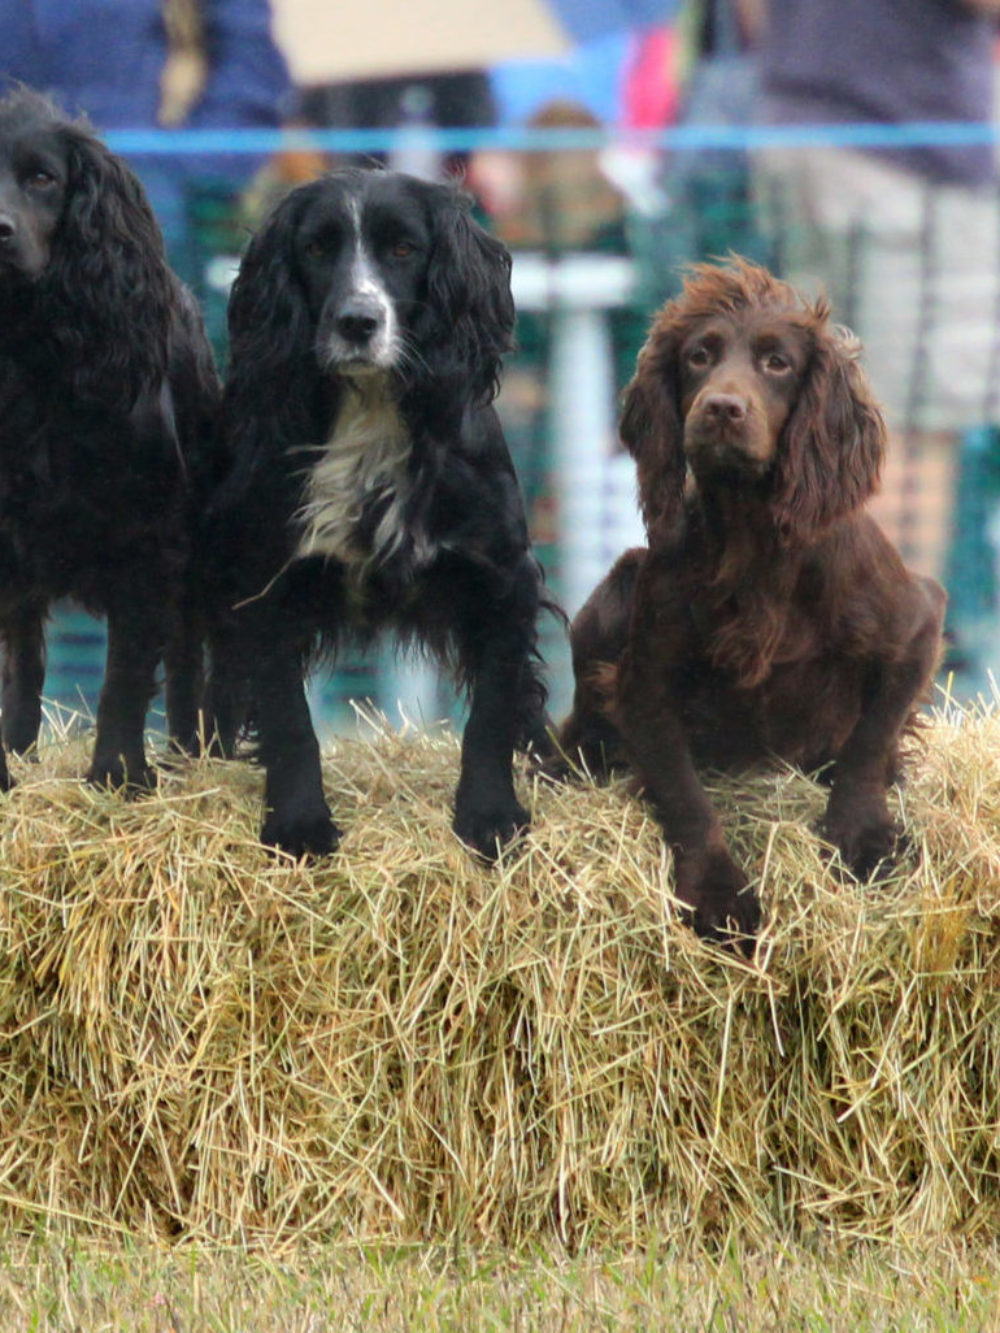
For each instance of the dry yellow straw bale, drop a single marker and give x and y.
(398, 1043)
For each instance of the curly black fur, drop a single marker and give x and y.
(370, 484)
(108, 400)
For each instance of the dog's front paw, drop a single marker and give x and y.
(20, 734)
(865, 847)
(135, 779)
(721, 906)
(556, 768)
(858, 824)
(175, 758)
(488, 825)
(301, 834)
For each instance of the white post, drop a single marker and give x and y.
(582, 390)
(579, 289)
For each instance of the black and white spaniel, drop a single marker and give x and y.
(370, 486)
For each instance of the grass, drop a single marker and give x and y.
(47, 1285)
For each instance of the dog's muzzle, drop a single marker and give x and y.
(723, 430)
(359, 322)
(17, 252)
(360, 336)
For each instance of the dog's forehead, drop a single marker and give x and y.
(394, 203)
(358, 200)
(29, 135)
(750, 324)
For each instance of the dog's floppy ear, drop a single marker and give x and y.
(834, 442)
(271, 330)
(108, 268)
(273, 385)
(653, 432)
(470, 308)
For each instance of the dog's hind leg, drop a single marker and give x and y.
(184, 672)
(135, 646)
(23, 679)
(496, 651)
(227, 708)
(598, 635)
(536, 730)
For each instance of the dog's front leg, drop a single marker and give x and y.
(706, 878)
(648, 715)
(487, 811)
(298, 818)
(857, 819)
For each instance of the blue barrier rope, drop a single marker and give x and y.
(681, 138)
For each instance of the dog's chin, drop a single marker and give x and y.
(357, 368)
(726, 458)
(21, 271)
(353, 365)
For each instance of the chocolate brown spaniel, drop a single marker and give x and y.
(769, 615)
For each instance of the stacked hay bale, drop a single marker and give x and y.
(397, 1043)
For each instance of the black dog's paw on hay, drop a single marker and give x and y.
(135, 780)
(487, 826)
(301, 835)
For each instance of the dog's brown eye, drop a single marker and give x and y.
(698, 357)
(774, 361)
(316, 249)
(40, 180)
(402, 249)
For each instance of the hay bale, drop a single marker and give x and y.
(202, 1040)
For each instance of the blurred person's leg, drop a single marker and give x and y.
(913, 269)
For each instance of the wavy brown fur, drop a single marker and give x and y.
(769, 615)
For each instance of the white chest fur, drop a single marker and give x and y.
(362, 469)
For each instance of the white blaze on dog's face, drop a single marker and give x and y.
(361, 332)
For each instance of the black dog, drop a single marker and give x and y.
(370, 484)
(108, 396)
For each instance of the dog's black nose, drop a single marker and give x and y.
(726, 406)
(7, 229)
(358, 322)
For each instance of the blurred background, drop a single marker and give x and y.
(848, 144)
